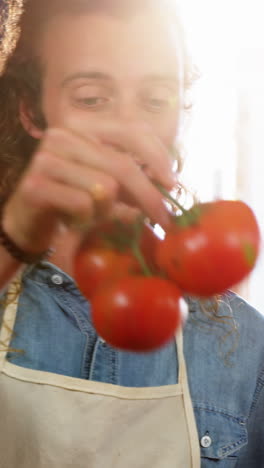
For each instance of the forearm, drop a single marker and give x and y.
(9, 267)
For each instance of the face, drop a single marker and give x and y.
(102, 68)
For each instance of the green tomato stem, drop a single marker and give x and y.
(139, 256)
(171, 199)
(188, 217)
(135, 245)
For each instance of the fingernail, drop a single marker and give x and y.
(170, 181)
(164, 219)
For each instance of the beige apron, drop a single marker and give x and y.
(54, 421)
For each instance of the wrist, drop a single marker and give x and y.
(16, 251)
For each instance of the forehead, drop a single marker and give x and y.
(146, 43)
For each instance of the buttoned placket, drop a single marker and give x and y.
(100, 360)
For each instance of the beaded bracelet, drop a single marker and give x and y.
(19, 254)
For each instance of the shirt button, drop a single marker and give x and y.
(57, 279)
(101, 340)
(206, 441)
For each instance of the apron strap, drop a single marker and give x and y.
(9, 318)
(183, 381)
(182, 374)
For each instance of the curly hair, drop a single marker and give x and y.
(21, 75)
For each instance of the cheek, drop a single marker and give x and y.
(167, 128)
(56, 108)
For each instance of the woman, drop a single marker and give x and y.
(90, 89)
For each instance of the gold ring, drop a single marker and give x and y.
(97, 192)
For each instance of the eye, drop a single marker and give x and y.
(159, 99)
(91, 96)
(156, 104)
(93, 102)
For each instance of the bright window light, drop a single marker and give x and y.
(225, 149)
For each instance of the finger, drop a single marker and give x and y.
(135, 139)
(99, 185)
(146, 196)
(123, 212)
(119, 165)
(51, 196)
(147, 148)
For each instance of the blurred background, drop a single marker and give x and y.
(224, 142)
(225, 138)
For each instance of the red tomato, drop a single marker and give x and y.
(215, 252)
(137, 313)
(99, 259)
(104, 234)
(110, 233)
(94, 266)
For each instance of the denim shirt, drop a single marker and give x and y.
(225, 361)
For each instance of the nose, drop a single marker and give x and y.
(127, 114)
(126, 109)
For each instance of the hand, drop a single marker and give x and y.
(76, 177)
